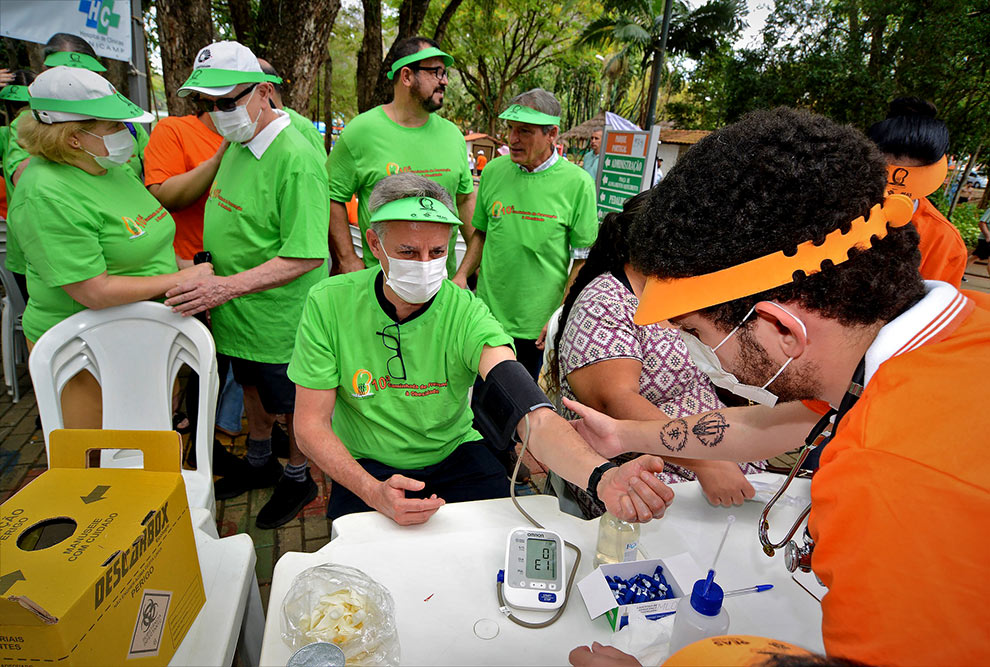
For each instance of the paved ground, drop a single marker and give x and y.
(22, 458)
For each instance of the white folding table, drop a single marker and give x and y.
(442, 577)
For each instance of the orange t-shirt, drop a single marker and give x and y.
(482, 161)
(901, 507)
(943, 252)
(177, 145)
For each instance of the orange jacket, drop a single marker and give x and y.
(901, 506)
(943, 252)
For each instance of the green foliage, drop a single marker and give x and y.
(965, 217)
(848, 58)
(635, 29)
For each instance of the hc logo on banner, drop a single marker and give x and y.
(99, 15)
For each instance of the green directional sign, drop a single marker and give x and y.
(621, 182)
(625, 167)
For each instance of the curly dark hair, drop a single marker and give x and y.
(771, 181)
(610, 252)
(911, 130)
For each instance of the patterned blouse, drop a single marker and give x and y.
(600, 327)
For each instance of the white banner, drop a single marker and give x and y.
(106, 24)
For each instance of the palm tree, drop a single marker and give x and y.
(636, 27)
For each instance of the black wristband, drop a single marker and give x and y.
(596, 477)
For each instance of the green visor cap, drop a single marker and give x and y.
(223, 78)
(14, 93)
(431, 52)
(111, 107)
(416, 209)
(521, 114)
(73, 59)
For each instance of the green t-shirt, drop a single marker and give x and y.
(259, 209)
(306, 129)
(12, 158)
(136, 162)
(406, 423)
(373, 146)
(74, 226)
(531, 221)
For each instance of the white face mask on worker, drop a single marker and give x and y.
(708, 362)
(119, 145)
(414, 281)
(236, 126)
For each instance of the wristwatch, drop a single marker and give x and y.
(596, 477)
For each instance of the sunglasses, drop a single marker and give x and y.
(222, 103)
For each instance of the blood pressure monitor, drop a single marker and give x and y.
(534, 569)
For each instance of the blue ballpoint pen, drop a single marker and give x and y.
(751, 589)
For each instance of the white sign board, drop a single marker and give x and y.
(105, 24)
(625, 167)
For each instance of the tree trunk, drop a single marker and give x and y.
(448, 13)
(328, 104)
(375, 89)
(369, 57)
(184, 27)
(243, 20)
(296, 35)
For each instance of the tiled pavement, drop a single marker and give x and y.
(22, 458)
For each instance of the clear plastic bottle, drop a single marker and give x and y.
(698, 616)
(618, 540)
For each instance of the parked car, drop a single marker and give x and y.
(977, 180)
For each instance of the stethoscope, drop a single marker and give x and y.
(798, 557)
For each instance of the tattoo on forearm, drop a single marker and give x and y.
(710, 429)
(674, 435)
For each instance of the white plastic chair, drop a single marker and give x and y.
(135, 352)
(14, 347)
(233, 616)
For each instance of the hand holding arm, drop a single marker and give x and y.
(196, 295)
(105, 291)
(181, 190)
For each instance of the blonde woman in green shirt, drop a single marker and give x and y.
(92, 235)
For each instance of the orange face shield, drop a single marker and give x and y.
(663, 299)
(916, 182)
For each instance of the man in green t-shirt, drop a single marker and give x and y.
(265, 224)
(383, 362)
(301, 123)
(535, 213)
(402, 136)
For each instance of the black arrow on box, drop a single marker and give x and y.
(8, 580)
(95, 494)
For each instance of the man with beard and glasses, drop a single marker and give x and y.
(819, 297)
(404, 135)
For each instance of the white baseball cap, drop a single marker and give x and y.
(221, 67)
(71, 93)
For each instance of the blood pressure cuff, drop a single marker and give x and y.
(507, 395)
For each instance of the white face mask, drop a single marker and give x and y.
(414, 281)
(708, 362)
(236, 126)
(119, 145)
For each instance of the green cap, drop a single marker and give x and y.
(73, 59)
(416, 209)
(521, 114)
(429, 52)
(14, 93)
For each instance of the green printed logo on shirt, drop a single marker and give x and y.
(137, 226)
(499, 209)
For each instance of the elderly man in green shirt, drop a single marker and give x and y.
(403, 136)
(534, 214)
(383, 361)
(265, 224)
